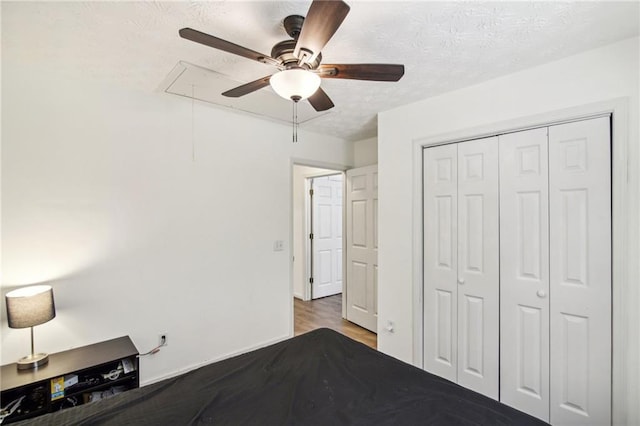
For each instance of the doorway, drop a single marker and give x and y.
(328, 310)
(317, 232)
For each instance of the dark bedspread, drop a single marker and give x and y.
(319, 378)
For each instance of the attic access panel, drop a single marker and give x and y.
(203, 84)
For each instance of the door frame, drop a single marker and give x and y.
(622, 315)
(333, 169)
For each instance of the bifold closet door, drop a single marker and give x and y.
(524, 272)
(478, 266)
(441, 260)
(580, 272)
(555, 272)
(461, 273)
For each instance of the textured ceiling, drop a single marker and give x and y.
(444, 45)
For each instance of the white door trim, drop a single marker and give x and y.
(622, 315)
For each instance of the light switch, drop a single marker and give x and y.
(278, 245)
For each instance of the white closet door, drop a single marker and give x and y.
(362, 247)
(524, 272)
(440, 260)
(580, 272)
(478, 266)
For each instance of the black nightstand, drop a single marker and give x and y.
(71, 378)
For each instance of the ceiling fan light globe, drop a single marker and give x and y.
(295, 83)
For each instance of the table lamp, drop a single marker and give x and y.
(28, 307)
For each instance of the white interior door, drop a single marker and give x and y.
(478, 266)
(461, 276)
(326, 265)
(441, 261)
(580, 272)
(362, 246)
(524, 272)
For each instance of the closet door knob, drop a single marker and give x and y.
(461, 281)
(541, 294)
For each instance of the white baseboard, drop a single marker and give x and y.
(211, 361)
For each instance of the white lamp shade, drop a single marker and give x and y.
(30, 306)
(295, 84)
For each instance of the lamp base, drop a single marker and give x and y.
(32, 361)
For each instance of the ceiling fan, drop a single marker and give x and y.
(299, 59)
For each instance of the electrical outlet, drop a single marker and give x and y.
(163, 339)
(390, 326)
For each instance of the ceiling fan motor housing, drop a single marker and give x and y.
(283, 51)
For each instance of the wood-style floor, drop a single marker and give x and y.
(327, 312)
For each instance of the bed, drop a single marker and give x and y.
(318, 378)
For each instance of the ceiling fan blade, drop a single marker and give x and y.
(320, 101)
(227, 46)
(245, 89)
(323, 19)
(375, 72)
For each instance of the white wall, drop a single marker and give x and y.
(101, 199)
(591, 77)
(365, 152)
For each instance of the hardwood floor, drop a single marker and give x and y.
(327, 312)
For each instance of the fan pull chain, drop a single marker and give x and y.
(295, 122)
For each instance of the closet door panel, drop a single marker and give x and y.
(440, 261)
(524, 272)
(478, 271)
(580, 272)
